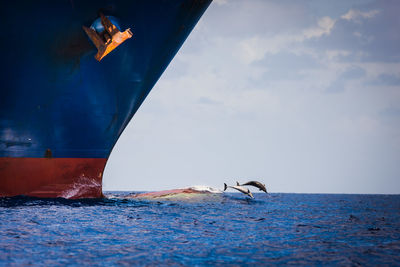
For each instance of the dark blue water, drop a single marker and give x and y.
(224, 229)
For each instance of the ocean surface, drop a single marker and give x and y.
(209, 229)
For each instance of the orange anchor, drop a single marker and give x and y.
(108, 40)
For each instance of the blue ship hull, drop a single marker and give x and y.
(57, 102)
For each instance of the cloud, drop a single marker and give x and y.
(255, 48)
(367, 33)
(357, 15)
(324, 27)
(335, 54)
(387, 80)
(354, 72)
(335, 87)
(271, 16)
(286, 65)
(221, 2)
(207, 101)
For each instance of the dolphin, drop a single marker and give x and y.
(259, 185)
(243, 190)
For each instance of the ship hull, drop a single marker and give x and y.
(62, 111)
(52, 177)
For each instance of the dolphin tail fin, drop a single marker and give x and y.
(237, 183)
(225, 186)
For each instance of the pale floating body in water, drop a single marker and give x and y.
(259, 185)
(241, 189)
(181, 193)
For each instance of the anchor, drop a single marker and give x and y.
(109, 39)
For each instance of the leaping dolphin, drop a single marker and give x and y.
(241, 189)
(259, 185)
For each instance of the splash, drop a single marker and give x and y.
(83, 187)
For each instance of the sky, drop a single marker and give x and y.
(303, 96)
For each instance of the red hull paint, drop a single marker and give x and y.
(52, 177)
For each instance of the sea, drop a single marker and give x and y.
(222, 229)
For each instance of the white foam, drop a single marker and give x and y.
(80, 187)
